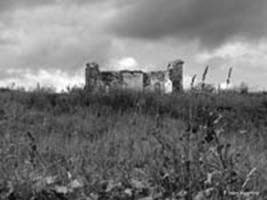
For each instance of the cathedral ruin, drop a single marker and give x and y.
(164, 81)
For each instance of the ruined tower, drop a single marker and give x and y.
(175, 69)
(92, 76)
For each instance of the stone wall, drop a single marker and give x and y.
(166, 81)
(110, 79)
(133, 80)
(92, 76)
(175, 69)
(157, 81)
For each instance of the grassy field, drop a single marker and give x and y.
(126, 145)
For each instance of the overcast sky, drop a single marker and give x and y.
(49, 41)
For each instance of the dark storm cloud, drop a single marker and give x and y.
(62, 35)
(212, 22)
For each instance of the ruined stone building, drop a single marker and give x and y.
(165, 81)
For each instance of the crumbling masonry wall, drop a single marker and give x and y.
(92, 76)
(166, 81)
(133, 80)
(175, 69)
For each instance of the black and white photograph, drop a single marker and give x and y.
(133, 99)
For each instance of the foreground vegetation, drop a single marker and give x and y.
(126, 145)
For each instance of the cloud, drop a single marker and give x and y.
(51, 35)
(11, 5)
(128, 63)
(29, 79)
(210, 22)
(54, 37)
(252, 55)
(7, 6)
(247, 59)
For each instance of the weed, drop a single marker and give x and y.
(130, 145)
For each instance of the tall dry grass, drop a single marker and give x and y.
(126, 145)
